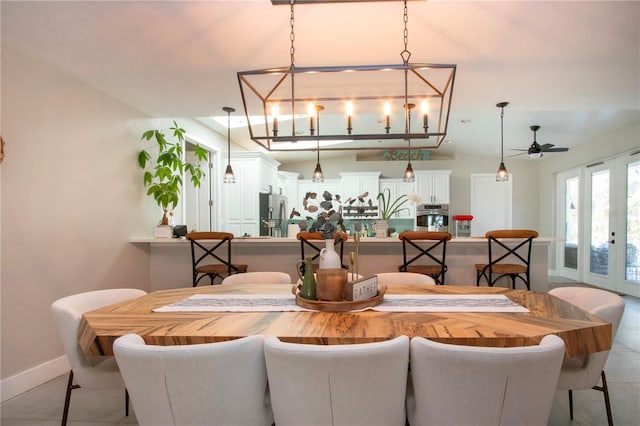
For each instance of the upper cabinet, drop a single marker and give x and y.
(359, 192)
(433, 186)
(255, 173)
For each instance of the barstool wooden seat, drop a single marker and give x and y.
(203, 250)
(427, 246)
(507, 246)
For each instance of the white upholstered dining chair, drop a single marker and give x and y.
(222, 383)
(585, 372)
(473, 385)
(355, 384)
(99, 372)
(266, 277)
(387, 278)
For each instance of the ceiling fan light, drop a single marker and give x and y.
(535, 155)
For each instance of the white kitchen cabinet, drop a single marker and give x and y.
(433, 186)
(355, 184)
(255, 173)
(288, 183)
(397, 188)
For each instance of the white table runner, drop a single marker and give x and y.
(391, 303)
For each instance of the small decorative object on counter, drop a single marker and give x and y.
(308, 290)
(463, 225)
(362, 289)
(329, 258)
(330, 284)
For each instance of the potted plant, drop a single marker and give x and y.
(163, 173)
(387, 209)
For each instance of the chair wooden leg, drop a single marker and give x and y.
(570, 404)
(67, 398)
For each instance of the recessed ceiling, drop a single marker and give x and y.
(571, 67)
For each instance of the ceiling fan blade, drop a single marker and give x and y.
(515, 155)
(556, 150)
(516, 149)
(547, 146)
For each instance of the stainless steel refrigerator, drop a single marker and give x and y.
(273, 215)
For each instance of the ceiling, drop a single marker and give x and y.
(571, 67)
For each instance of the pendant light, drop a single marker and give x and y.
(317, 173)
(502, 175)
(228, 174)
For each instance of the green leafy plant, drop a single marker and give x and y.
(163, 174)
(389, 208)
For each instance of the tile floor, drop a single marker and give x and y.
(42, 406)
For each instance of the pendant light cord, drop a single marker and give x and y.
(502, 135)
(228, 137)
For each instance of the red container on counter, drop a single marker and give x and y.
(463, 225)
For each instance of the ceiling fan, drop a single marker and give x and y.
(536, 150)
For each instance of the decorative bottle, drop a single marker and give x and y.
(329, 259)
(308, 290)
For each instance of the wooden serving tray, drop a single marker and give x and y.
(343, 306)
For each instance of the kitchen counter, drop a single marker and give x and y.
(170, 258)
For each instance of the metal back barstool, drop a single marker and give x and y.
(203, 251)
(425, 246)
(509, 256)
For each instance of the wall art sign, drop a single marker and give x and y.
(403, 155)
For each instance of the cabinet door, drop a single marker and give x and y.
(440, 189)
(253, 174)
(406, 188)
(433, 187)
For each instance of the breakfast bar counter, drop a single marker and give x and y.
(170, 258)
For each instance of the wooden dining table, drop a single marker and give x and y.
(582, 332)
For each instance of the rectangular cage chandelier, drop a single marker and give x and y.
(364, 107)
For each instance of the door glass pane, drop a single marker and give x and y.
(571, 203)
(599, 258)
(632, 263)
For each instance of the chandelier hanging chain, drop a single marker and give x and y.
(292, 35)
(405, 54)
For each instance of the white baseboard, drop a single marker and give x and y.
(29, 379)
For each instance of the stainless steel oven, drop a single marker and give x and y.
(432, 217)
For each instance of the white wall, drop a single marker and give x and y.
(72, 197)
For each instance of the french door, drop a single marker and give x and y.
(611, 243)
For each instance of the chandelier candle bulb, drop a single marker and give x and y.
(311, 110)
(425, 116)
(387, 113)
(349, 109)
(275, 113)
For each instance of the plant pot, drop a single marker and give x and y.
(382, 227)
